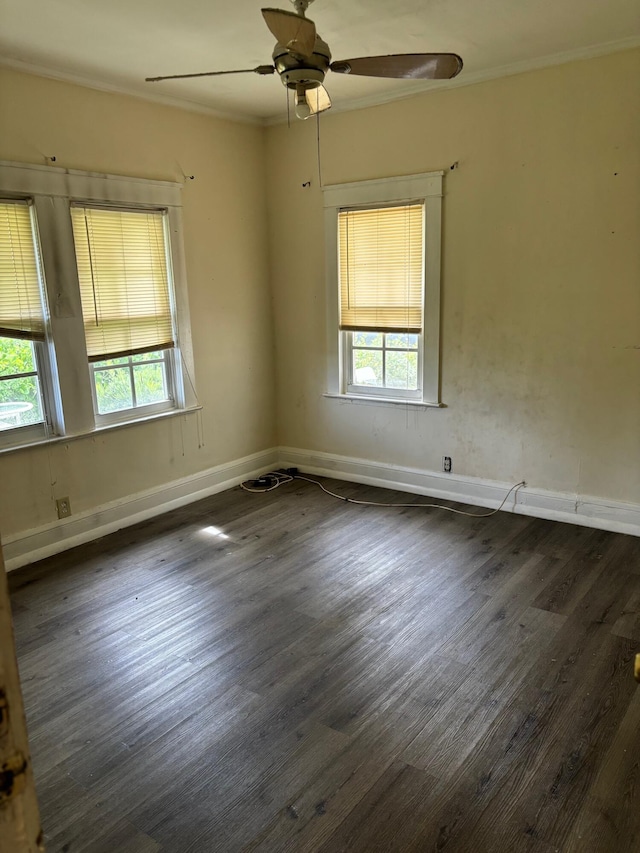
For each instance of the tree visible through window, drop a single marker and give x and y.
(131, 381)
(385, 360)
(20, 395)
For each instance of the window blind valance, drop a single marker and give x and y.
(381, 258)
(124, 287)
(21, 311)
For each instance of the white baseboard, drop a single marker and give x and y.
(584, 510)
(31, 545)
(40, 542)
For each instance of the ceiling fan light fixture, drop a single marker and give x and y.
(301, 60)
(302, 108)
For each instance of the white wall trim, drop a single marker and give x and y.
(74, 184)
(346, 105)
(587, 511)
(38, 543)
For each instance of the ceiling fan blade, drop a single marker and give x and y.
(411, 66)
(261, 69)
(292, 31)
(318, 100)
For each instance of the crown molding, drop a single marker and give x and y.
(465, 79)
(129, 91)
(473, 77)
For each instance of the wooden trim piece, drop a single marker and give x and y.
(20, 830)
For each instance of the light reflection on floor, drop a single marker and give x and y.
(215, 531)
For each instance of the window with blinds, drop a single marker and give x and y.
(382, 249)
(124, 286)
(91, 266)
(22, 323)
(21, 310)
(381, 269)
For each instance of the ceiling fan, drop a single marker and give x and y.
(302, 59)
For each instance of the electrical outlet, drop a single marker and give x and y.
(63, 505)
(446, 464)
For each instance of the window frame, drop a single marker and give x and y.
(67, 380)
(352, 387)
(143, 411)
(174, 380)
(20, 435)
(24, 434)
(425, 188)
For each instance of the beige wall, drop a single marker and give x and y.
(541, 277)
(541, 282)
(226, 257)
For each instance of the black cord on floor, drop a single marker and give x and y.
(273, 479)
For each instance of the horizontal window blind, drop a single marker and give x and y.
(124, 287)
(21, 312)
(381, 258)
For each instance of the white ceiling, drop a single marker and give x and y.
(114, 44)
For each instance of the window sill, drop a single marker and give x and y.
(384, 401)
(63, 439)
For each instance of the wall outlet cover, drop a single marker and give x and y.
(63, 505)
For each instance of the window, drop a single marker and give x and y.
(133, 382)
(22, 326)
(123, 272)
(380, 269)
(94, 322)
(377, 360)
(383, 275)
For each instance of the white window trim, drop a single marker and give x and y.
(52, 189)
(426, 187)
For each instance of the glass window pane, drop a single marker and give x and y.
(402, 370)
(367, 339)
(148, 356)
(151, 386)
(108, 362)
(395, 340)
(113, 390)
(367, 367)
(16, 357)
(20, 402)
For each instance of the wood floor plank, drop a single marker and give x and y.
(320, 806)
(628, 622)
(492, 686)
(384, 821)
(77, 822)
(290, 672)
(610, 817)
(203, 825)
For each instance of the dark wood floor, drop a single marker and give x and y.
(331, 677)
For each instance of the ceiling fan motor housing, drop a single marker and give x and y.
(297, 71)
